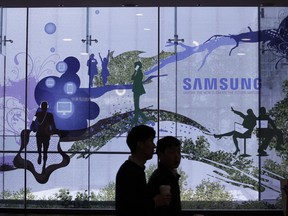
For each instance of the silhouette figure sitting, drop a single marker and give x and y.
(267, 133)
(249, 122)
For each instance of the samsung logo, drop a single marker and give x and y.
(221, 84)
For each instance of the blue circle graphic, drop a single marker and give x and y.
(61, 67)
(50, 28)
(50, 82)
(70, 88)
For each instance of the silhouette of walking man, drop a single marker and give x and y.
(249, 122)
(46, 127)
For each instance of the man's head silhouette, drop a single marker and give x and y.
(44, 105)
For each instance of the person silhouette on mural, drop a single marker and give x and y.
(249, 122)
(44, 129)
(92, 69)
(105, 71)
(138, 90)
(267, 131)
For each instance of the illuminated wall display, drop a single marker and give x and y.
(215, 77)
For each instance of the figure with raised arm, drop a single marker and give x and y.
(105, 70)
(249, 122)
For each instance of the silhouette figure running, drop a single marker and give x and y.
(138, 90)
(105, 71)
(267, 133)
(46, 127)
(92, 69)
(249, 122)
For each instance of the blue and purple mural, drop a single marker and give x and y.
(77, 104)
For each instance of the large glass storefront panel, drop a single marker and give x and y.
(59, 56)
(89, 79)
(216, 84)
(273, 101)
(13, 86)
(128, 96)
